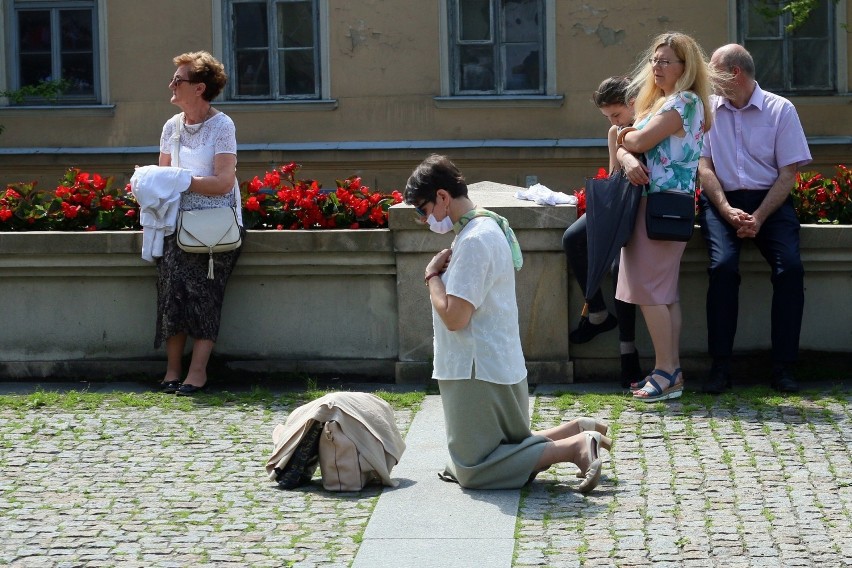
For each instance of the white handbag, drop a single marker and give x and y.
(209, 231)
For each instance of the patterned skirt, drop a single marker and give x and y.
(187, 301)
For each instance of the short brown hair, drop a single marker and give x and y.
(204, 68)
(434, 173)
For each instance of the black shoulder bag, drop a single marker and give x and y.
(670, 216)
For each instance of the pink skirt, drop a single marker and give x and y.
(649, 270)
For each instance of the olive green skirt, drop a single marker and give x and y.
(488, 434)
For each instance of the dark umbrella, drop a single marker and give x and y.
(611, 205)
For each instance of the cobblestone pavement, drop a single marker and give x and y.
(153, 487)
(729, 481)
(702, 481)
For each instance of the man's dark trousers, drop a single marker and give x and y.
(778, 242)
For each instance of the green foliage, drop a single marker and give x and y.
(799, 10)
(48, 90)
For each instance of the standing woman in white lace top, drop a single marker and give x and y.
(188, 303)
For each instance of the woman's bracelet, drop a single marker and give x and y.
(429, 276)
(620, 139)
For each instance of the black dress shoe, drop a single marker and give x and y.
(631, 370)
(783, 381)
(718, 382)
(169, 387)
(587, 331)
(189, 390)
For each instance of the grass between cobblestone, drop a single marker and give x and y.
(75, 399)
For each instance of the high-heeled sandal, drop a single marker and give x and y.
(654, 392)
(638, 385)
(587, 424)
(605, 443)
(592, 475)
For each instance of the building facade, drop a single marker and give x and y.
(370, 87)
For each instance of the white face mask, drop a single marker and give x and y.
(445, 225)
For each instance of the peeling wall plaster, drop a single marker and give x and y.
(608, 36)
(359, 36)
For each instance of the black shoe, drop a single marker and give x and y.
(783, 381)
(718, 382)
(631, 370)
(587, 331)
(169, 387)
(189, 390)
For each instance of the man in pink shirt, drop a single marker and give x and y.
(747, 171)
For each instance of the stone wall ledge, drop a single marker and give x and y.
(352, 302)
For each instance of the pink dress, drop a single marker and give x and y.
(649, 270)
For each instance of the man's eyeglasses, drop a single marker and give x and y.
(662, 62)
(419, 209)
(178, 80)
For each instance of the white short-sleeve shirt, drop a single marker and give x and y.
(217, 135)
(481, 272)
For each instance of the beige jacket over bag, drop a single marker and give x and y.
(364, 417)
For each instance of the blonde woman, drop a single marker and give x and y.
(672, 86)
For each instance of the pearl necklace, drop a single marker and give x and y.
(203, 122)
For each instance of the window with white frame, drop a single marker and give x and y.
(273, 49)
(53, 51)
(801, 61)
(497, 47)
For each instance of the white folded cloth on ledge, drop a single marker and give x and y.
(543, 195)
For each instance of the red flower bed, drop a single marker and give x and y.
(81, 202)
(816, 198)
(280, 201)
(820, 199)
(90, 202)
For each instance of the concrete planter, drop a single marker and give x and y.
(84, 303)
(353, 302)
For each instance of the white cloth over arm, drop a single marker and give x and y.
(157, 189)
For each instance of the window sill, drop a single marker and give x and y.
(820, 100)
(236, 107)
(58, 110)
(494, 101)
